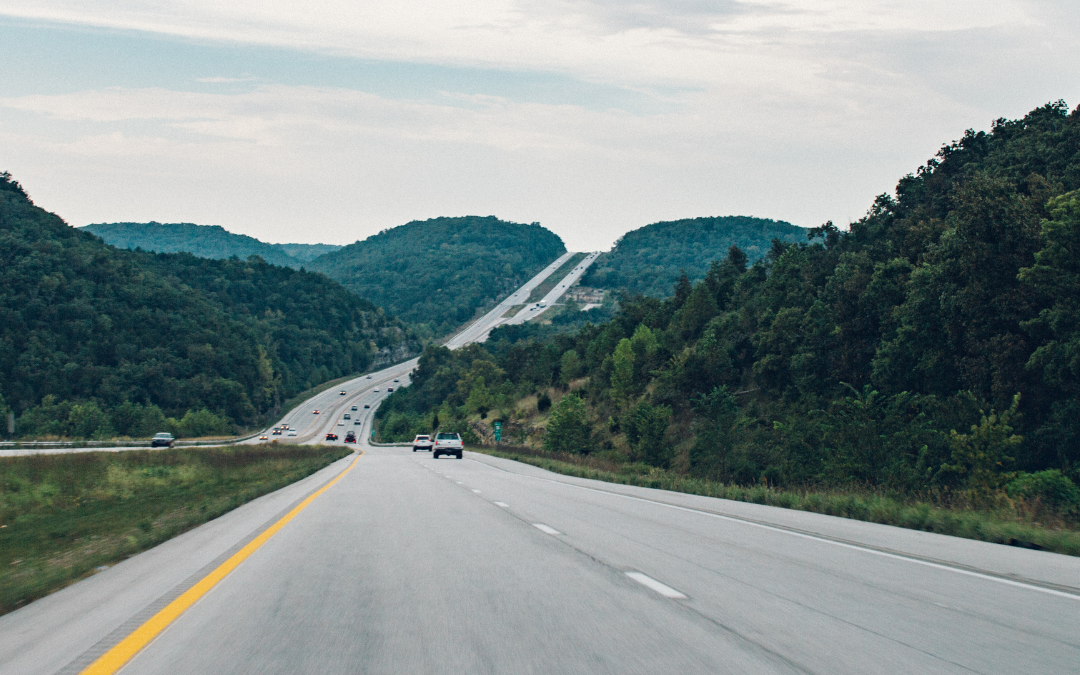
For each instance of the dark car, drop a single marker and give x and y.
(350, 437)
(163, 439)
(331, 436)
(366, 405)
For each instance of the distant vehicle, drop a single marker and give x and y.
(369, 377)
(354, 407)
(356, 422)
(164, 438)
(389, 389)
(284, 427)
(331, 436)
(376, 391)
(292, 432)
(314, 412)
(366, 405)
(263, 437)
(542, 304)
(447, 444)
(422, 442)
(348, 416)
(341, 423)
(341, 393)
(350, 437)
(396, 380)
(277, 432)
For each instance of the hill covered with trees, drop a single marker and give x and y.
(932, 350)
(96, 341)
(205, 241)
(441, 272)
(648, 260)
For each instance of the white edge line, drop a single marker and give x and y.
(894, 556)
(545, 529)
(503, 505)
(662, 589)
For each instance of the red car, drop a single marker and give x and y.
(314, 412)
(331, 436)
(350, 437)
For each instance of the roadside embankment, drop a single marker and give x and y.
(63, 516)
(1012, 523)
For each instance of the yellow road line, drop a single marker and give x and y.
(114, 659)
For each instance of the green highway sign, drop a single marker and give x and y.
(498, 431)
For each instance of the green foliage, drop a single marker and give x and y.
(1049, 487)
(543, 402)
(568, 427)
(86, 329)
(204, 241)
(650, 259)
(860, 358)
(645, 425)
(570, 366)
(982, 457)
(441, 272)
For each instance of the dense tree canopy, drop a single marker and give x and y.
(205, 241)
(650, 259)
(440, 272)
(95, 340)
(935, 346)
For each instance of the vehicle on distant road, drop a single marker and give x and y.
(263, 437)
(277, 432)
(341, 393)
(331, 436)
(376, 391)
(396, 380)
(350, 437)
(314, 412)
(341, 423)
(366, 405)
(422, 442)
(292, 432)
(163, 439)
(447, 443)
(369, 377)
(354, 407)
(356, 422)
(389, 389)
(348, 416)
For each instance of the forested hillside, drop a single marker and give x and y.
(934, 349)
(648, 260)
(205, 241)
(440, 272)
(95, 340)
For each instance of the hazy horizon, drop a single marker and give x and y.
(330, 122)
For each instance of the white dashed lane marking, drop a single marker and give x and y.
(545, 529)
(505, 506)
(662, 589)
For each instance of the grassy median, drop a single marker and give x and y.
(63, 516)
(1007, 522)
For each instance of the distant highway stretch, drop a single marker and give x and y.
(391, 562)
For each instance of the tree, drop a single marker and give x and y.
(645, 428)
(622, 372)
(568, 427)
(569, 366)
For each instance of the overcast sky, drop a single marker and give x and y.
(329, 120)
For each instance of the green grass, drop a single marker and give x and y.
(1010, 522)
(62, 516)
(558, 275)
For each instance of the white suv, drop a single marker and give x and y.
(422, 442)
(447, 444)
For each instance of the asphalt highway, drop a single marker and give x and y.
(481, 565)
(530, 312)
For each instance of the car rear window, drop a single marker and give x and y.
(447, 437)
(423, 438)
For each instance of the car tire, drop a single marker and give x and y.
(414, 449)
(459, 455)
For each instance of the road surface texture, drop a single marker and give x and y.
(414, 565)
